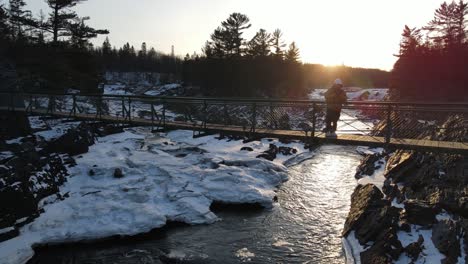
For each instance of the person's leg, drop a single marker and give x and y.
(328, 121)
(334, 120)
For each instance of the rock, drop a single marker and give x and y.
(92, 173)
(285, 140)
(246, 149)
(270, 154)
(14, 124)
(118, 173)
(74, 142)
(399, 163)
(386, 248)
(413, 250)
(14, 232)
(420, 212)
(287, 151)
(368, 166)
(103, 130)
(444, 237)
(369, 214)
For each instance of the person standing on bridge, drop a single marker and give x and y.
(335, 97)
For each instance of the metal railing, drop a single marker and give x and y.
(388, 120)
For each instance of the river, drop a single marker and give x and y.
(303, 227)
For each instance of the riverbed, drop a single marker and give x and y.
(303, 227)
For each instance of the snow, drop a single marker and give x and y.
(363, 150)
(116, 89)
(14, 141)
(167, 177)
(160, 90)
(6, 155)
(397, 205)
(352, 248)
(354, 94)
(6, 230)
(430, 253)
(378, 178)
(461, 259)
(57, 130)
(245, 255)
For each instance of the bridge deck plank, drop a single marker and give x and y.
(352, 139)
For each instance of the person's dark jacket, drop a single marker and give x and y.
(335, 97)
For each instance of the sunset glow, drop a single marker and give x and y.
(361, 33)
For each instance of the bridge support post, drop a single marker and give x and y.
(30, 105)
(164, 114)
(314, 121)
(205, 114)
(129, 109)
(254, 117)
(73, 111)
(388, 134)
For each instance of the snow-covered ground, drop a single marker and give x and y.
(167, 177)
(354, 94)
(138, 83)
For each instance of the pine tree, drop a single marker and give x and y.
(19, 18)
(411, 38)
(41, 25)
(278, 44)
(80, 33)
(293, 55)
(448, 28)
(227, 41)
(4, 28)
(143, 51)
(152, 54)
(106, 47)
(60, 17)
(260, 45)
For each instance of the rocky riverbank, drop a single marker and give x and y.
(34, 166)
(420, 215)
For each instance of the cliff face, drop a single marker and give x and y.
(427, 192)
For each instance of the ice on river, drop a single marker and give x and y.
(167, 177)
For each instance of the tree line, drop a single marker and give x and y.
(52, 51)
(129, 59)
(233, 66)
(263, 65)
(433, 60)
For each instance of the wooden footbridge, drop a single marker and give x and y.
(436, 127)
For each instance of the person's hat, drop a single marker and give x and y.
(338, 82)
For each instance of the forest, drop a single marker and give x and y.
(433, 60)
(264, 66)
(53, 51)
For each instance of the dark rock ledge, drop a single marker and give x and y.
(424, 185)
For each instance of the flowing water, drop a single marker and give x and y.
(303, 227)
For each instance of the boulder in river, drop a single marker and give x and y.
(118, 173)
(246, 149)
(270, 154)
(370, 214)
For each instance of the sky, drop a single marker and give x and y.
(358, 33)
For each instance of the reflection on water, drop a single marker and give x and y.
(304, 227)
